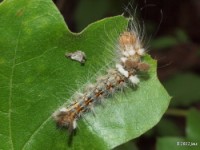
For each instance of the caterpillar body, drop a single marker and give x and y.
(125, 72)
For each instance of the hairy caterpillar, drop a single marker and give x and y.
(125, 71)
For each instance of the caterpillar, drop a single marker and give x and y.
(125, 72)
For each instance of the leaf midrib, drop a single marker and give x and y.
(11, 86)
(11, 90)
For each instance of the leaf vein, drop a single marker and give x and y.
(36, 56)
(35, 132)
(11, 90)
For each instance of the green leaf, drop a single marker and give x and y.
(36, 79)
(169, 41)
(184, 88)
(182, 36)
(172, 143)
(192, 139)
(164, 42)
(193, 124)
(167, 127)
(176, 143)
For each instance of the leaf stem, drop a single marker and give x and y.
(176, 112)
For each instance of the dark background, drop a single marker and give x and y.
(174, 27)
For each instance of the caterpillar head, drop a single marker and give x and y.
(130, 46)
(127, 38)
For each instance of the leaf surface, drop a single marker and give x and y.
(193, 123)
(184, 88)
(192, 139)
